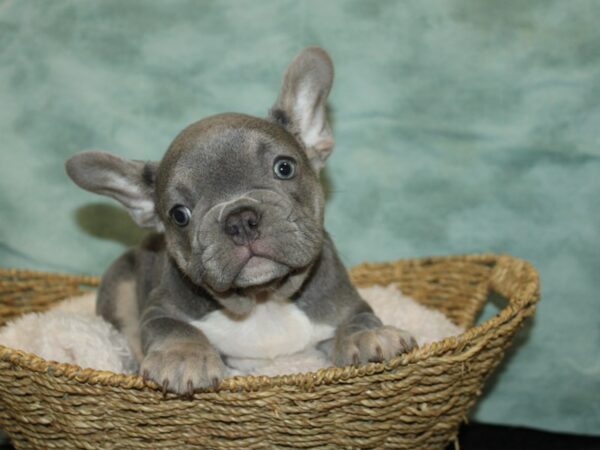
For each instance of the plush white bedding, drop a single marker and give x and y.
(72, 333)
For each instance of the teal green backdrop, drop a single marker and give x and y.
(461, 126)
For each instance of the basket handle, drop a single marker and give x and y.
(516, 280)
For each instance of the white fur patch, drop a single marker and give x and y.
(276, 327)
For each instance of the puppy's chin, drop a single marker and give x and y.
(257, 278)
(259, 271)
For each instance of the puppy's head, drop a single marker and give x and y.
(238, 197)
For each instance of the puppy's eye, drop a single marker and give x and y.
(180, 215)
(284, 168)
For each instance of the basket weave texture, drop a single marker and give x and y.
(415, 401)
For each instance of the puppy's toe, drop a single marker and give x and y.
(347, 353)
(372, 345)
(183, 368)
(396, 341)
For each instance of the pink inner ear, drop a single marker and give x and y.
(324, 145)
(320, 151)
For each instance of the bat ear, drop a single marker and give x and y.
(301, 105)
(129, 182)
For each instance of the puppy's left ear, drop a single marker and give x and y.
(129, 182)
(300, 107)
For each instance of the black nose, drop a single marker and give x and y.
(242, 226)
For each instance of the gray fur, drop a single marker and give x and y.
(250, 235)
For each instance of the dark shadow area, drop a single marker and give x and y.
(495, 437)
(497, 300)
(330, 116)
(327, 184)
(110, 222)
(477, 436)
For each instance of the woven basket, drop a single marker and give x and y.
(415, 401)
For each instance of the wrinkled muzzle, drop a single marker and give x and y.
(254, 239)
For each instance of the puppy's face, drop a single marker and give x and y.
(237, 197)
(240, 203)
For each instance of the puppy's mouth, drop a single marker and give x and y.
(259, 270)
(256, 282)
(251, 266)
(254, 272)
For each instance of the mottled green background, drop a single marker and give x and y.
(461, 126)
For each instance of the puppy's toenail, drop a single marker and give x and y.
(402, 344)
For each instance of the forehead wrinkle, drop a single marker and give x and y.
(179, 194)
(262, 148)
(225, 155)
(183, 191)
(223, 205)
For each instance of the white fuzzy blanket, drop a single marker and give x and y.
(72, 333)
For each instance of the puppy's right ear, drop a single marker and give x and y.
(301, 104)
(129, 182)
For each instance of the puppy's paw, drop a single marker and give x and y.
(183, 367)
(372, 345)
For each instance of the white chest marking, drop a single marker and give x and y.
(274, 328)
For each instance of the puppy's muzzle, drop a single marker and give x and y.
(251, 240)
(242, 225)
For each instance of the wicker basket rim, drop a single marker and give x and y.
(518, 303)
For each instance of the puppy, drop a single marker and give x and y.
(241, 264)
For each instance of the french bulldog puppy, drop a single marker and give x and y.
(241, 264)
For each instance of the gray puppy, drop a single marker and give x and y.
(241, 265)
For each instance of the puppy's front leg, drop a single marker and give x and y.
(178, 355)
(363, 338)
(329, 298)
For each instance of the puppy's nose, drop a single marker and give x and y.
(242, 226)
